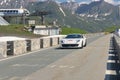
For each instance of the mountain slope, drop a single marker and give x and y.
(64, 17)
(93, 17)
(101, 13)
(95, 7)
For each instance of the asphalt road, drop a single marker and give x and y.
(18, 68)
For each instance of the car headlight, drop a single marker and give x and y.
(77, 40)
(62, 41)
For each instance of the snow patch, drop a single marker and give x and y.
(62, 11)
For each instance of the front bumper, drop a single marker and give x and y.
(69, 45)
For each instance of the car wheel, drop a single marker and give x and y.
(85, 44)
(81, 45)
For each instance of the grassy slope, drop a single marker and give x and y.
(111, 29)
(66, 30)
(16, 30)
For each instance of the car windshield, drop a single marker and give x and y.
(73, 36)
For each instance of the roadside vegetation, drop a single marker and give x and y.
(19, 30)
(112, 29)
(66, 30)
(16, 30)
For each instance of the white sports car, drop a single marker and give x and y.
(74, 41)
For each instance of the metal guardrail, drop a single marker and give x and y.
(116, 45)
(113, 65)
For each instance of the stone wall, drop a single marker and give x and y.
(35, 44)
(3, 49)
(18, 47)
(46, 42)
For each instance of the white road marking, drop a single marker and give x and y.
(27, 65)
(53, 66)
(72, 67)
(62, 66)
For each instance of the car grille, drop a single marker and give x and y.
(69, 45)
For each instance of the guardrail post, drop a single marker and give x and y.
(58, 40)
(10, 48)
(41, 43)
(51, 42)
(28, 45)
